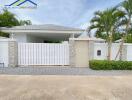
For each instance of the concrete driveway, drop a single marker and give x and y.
(65, 87)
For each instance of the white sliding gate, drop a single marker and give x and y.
(43, 54)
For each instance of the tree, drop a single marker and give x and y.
(8, 19)
(98, 23)
(107, 22)
(25, 22)
(129, 36)
(126, 7)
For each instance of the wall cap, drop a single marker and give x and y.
(81, 39)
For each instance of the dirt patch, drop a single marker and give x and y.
(65, 88)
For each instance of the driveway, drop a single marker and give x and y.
(59, 71)
(22, 87)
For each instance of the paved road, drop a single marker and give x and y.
(59, 71)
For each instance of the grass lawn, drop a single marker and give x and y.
(65, 87)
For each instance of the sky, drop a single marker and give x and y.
(72, 13)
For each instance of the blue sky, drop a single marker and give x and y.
(74, 13)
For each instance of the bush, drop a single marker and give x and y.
(110, 65)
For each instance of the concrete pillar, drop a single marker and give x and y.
(72, 52)
(13, 53)
(80, 52)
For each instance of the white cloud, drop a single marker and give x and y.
(64, 12)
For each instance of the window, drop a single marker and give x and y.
(98, 52)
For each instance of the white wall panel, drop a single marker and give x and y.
(129, 52)
(104, 51)
(4, 53)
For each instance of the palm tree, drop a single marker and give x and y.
(126, 7)
(8, 19)
(107, 22)
(25, 22)
(97, 23)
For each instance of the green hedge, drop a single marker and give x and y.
(110, 65)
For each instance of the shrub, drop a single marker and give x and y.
(110, 65)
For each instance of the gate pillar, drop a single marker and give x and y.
(13, 53)
(81, 51)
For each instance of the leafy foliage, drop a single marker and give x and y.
(118, 17)
(4, 34)
(106, 22)
(25, 22)
(129, 38)
(8, 19)
(110, 65)
(126, 7)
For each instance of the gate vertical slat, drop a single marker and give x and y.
(37, 54)
(31, 59)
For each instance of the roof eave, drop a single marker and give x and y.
(43, 31)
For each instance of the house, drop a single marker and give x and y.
(28, 46)
(42, 33)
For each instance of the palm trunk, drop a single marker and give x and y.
(120, 51)
(123, 40)
(121, 47)
(110, 44)
(109, 47)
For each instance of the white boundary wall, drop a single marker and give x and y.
(104, 51)
(129, 51)
(4, 52)
(53, 54)
(115, 47)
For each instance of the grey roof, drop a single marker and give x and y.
(44, 27)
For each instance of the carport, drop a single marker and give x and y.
(40, 33)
